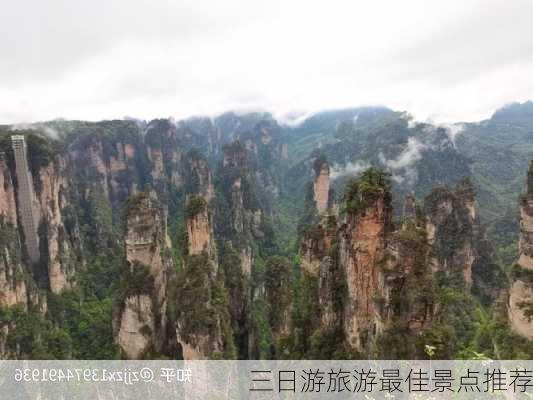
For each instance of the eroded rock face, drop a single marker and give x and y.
(17, 287)
(110, 165)
(12, 271)
(8, 210)
(136, 326)
(520, 305)
(520, 295)
(526, 234)
(200, 237)
(316, 244)
(202, 338)
(459, 245)
(142, 324)
(199, 173)
(327, 290)
(321, 187)
(199, 349)
(278, 295)
(362, 250)
(63, 246)
(199, 232)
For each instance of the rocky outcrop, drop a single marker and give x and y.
(460, 249)
(239, 188)
(316, 243)
(63, 246)
(142, 319)
(17, 287)
(363, 244)
(115, 165)
(525, 259)
(7, 194)
(197, 176)
(364, 267)
(278, 296)
(520, 305)
(200, 237)
(13, 273)
(241, 221)
(202, 327)
(321, 185)
(520, 308)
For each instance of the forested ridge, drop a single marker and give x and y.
(358, 233)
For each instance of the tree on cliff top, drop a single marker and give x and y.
(361, 192)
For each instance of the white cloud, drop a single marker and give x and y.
(350, 168)
(403, 167)
(453, 130)
(47, 130)
(445, 60)
(411, 154)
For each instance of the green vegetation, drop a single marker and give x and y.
(200, 303)
(195, 205)
(362, 192)
(30, 336)
(262, 208)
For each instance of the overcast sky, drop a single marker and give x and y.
(441, 59)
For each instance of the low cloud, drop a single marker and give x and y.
(293, 119)
(411, 154)
(350, 168)
(402, 167)
(46, 130)
(453, 130)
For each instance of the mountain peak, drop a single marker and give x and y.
(519, 113)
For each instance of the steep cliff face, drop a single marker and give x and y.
(8, 208)
(63, 246)
(12, 271)
(236, 179)
(245, 227)
(321, 185)
(460, 250)
(49, 206)
(203, 326)
(362, 250)
(279, 298)
(520, 305)
(165, 154)
(19, 293)
(525, 259)
(109, 157)
(142, 319)
(410, 280)
(200, 237)
(364, 275)
(316, 243)
(197, 176)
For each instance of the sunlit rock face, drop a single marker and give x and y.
(321, 187)
(362, 249)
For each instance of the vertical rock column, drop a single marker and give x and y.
(321, 185)
(142, 324)
(202, 317)
(12, 284)
(362, 249)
